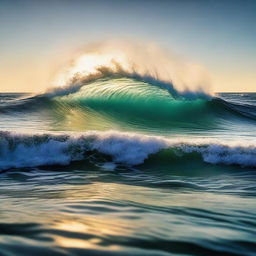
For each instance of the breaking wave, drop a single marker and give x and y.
(23, 150)
(142, 62)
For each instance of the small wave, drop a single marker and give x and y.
(22, 150)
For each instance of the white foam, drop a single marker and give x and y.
(23, 150)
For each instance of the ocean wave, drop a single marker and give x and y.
(23, 150)
(144, 106)
(137, 104)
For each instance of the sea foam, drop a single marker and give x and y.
(23, 150)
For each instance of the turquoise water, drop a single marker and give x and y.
(125, 167)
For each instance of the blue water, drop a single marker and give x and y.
(127, 170)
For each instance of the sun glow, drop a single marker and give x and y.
(89, 64)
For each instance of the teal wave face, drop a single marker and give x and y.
(132, 103)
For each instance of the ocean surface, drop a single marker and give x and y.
(123, 166)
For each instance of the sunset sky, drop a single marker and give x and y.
(36, 35)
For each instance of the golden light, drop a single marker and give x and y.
(89, 64)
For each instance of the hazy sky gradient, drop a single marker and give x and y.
(220, 35)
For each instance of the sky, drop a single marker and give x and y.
(37, 35)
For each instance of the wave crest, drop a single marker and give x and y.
(146, 63)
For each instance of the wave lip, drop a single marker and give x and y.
(143, 62)
(21, 150)
(78, 81)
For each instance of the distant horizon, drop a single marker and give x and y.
(218, 35)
